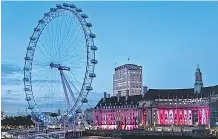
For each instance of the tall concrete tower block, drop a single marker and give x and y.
(127, 77)
(198, 81)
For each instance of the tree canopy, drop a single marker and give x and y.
(19, 120)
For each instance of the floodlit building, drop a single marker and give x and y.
(127, 77)
(189, 108)
(117, 112)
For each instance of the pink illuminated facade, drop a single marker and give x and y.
(119, 118)
(162, 112)
(183, 115)
(117, 112)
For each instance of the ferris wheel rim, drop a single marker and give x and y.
(89, 43)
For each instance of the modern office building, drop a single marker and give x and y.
(127, 77)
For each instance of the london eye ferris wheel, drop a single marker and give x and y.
(59, 62)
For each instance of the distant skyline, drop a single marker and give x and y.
(168, 39)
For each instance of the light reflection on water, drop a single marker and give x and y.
(98, 137)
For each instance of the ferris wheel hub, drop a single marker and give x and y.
(59, 66)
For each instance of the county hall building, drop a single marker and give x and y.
(192, 107)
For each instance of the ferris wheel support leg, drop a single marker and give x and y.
(65, 89)
(68, 86)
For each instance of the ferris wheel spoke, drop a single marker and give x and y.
(39, 78)
(63, 39)
(47, 31)
(55, 38)
(70, 57)
(78, 59)
(73, 42)
(75, 79)
(41, 64)
(71, 49)
(45, 43)
(68, 31)
(72, 81)
(74, 56)
(48, 51)
(43, 55)
(50, 28)
(41, 87)
(66, 54)
(52, 32)
(61, 94)
(57, 34)
(47, 89)
(39, 70)
(74, 87)
(75, 35)
(43, 50)
(70, 44)
(60, 38)
(55, 41)
(72, 39)
(51, 94)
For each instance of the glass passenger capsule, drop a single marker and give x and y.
(27, 58)
(84, 100)
(26, 79)
(92, 35)
(58, 5)
(89, 24)
(72, 6)
(26, 89)
(37, 29)
(94, 61)
(41, 21)
(65, 4)
(89, 88)
(28, 98)
(92, 75)
(30, 48)
(84, 16)
(78, 9)
(53, 9)
(94, 48)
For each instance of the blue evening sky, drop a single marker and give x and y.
(168, 39)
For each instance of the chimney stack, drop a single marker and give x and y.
(127, 94)
(105, 95)
(144, 90)
(118, 95)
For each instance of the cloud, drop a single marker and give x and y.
(46, 81)
(9, 98)
(11, 81)
(9, 69)
(11, 74)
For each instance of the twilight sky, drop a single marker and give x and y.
(168, 39)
